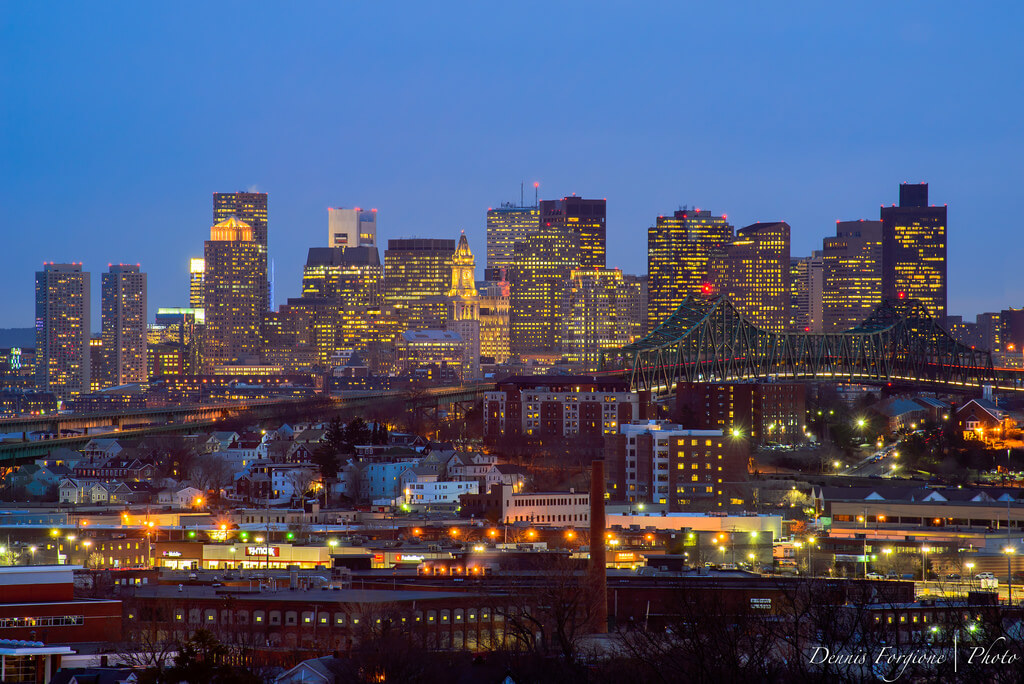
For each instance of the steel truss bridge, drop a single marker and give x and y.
(707, 340)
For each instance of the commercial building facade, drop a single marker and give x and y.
(417, 275)
(753, 271)
(233, 293)
(679, 250)
(914, 250)
(348, 228)
(583, 222)
(600, 311)
(852, 275)
(507, 225)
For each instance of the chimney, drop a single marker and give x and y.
(598, 573)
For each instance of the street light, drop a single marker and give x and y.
(924, 561)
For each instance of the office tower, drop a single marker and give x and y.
(97, 363)
(464, 303)
(799, 294)
(432, 356)
(248, 207)
(62, 330)
(417, 274)
(494, 321)
(196, 285)
(251, 209)
(234, 293)
(351, 227)
(507, 225)
(124, 325)
(852, 262)
(914, 250)
(584, 221)
(815, 291)
(540, 273)
(679, 248)
(352, 274)
(755, 274)
(599, 312)
(639, 313)
(181, 329)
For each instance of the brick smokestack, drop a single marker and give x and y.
(598, 575)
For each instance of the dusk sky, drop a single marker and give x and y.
(119, 120)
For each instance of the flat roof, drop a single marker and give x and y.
(297, 595)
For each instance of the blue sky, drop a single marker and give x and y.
(119, 120)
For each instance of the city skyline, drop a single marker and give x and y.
(782, 140)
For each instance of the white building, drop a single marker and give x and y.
(428, 493)
(351, 227)
(553, 508)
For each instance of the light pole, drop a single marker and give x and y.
(1009, 551)
(924, 561)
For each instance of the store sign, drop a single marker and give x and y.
(274, 551)
(408, 558)
(172, 554)
(378, 558)
(625, 557)
(761, 603)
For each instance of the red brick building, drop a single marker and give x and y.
(762, 412)
(541, 406)
(37, 603)
(662, 463)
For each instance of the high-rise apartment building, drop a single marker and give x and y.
(852, 275)
(754, 274)
(464, 303)
(124, 325)
(599, 312)
(196, 286)
(234, 293)
(507, 225)
(761, 412)
(251, 209)
(679, 250)
(584, 221)
(351, 227)
(417, 275)
(914, 250)
(540, 273)
(494, 321)
(62, 330)
(352, 274)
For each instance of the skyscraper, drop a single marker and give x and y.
(124, 325)
(353, 274)
(914, 250)
(196, 285)
(507, 225)
(755, 274)
(62, 330)
(464, 315)
(251, 209)
(540, 273)
(234, 292)
(598, 312)
(494, 320)
(351, 227)
(584, 221)
(800, 294)
(679, 248)
(417, 276)
(852, 275)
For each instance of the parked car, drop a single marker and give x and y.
(875, 576)
(953, 576)
(984, 576)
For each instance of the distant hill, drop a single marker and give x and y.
(17, 337)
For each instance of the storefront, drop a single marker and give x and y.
(200, 556)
